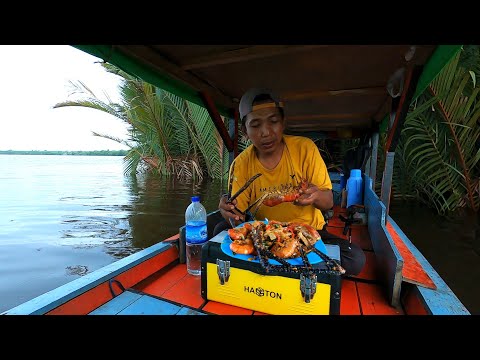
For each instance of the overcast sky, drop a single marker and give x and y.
(33, 78)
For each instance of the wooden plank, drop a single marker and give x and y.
(188, 311)
(133, 303)
(225, 309)
(147, 305)
(387, 180)
(159, 283)
(330, 125)
(246, 54)
(389, 260)
(412, 270)
(187, 291)
(217, 119)
(117, 304)
(349, 304)
(373, 159)
(90, 300)
(289, 96)
(374, 300)
(90, 291)
(312, 118)
(412, 76)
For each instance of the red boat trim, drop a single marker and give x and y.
(90, 300)
(124, 270)
(412, 271)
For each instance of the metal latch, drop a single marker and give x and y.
(308, 286)
(223, 270)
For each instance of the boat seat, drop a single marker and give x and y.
(132, 302)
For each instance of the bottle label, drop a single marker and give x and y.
(196, 232)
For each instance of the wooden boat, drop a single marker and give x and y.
(328, 90)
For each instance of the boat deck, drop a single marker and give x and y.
(172, 291)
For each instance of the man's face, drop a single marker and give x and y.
(265, 128)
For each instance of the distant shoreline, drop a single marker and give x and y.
(60, 152)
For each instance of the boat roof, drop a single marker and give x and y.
(324, 87)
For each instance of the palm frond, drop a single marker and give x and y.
(438, 148)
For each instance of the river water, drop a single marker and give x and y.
(450, 244)
(62, 217)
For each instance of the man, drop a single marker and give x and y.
(284, 161)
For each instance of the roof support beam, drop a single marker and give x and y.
(401, 109)
(217, 120)
(410, 84)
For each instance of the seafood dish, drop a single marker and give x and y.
(279, 241)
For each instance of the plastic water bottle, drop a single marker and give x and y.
(195, 234)
(355, 188)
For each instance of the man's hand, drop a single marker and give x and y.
(228, 212)
(322, 199)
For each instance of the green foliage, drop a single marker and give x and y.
(167, 134)
(437, 158)
(65, 152)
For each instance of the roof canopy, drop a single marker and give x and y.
(324, 87)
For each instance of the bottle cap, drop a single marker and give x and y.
(356, 173)
(195, 198)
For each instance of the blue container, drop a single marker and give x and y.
(355, 188)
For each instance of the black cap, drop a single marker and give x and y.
(246, 102)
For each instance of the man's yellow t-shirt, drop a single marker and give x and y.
(301, 159)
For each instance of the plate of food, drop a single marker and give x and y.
(283, 239)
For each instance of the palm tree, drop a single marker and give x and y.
(167, 134)
(437, 159)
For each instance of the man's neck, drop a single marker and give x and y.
(270, 161)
